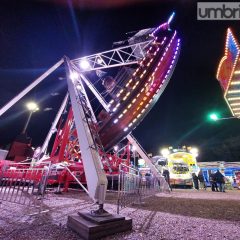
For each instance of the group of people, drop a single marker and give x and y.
(217, 181)
(199, 179)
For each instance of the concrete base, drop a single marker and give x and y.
(90, 228)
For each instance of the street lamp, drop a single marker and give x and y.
(32, 107)
(214, 116)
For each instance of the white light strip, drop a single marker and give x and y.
(234, 91)
(235, 104)
(233, 98)
(235, 83)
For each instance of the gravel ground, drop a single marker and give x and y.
(202, 194)
(182, 214)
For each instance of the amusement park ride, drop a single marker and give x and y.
(86, 141)
(228, 74)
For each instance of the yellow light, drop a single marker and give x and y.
(194, 151)
(32, 106)
(234, 91)
(236, 109)
(237, 72)
(129, 105)
(165, 152)
(124, 111)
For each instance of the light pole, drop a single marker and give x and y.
(215, 117)
(225, 118)
(32, 107)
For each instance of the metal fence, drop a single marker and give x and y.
(133, 188)
(22, 184)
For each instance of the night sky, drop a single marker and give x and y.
(34, 35)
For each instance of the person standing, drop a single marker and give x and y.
(166, 175)
(212, 179)
(201, 180)
(220, 180)
(195, 181)
(148, 179)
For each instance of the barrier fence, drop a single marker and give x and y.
(23, 184)
(133, 188)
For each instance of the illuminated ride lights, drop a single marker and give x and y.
(228, 73)
(140, 91)
(143, 89)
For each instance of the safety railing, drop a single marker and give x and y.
(23, 184)
(133, 188)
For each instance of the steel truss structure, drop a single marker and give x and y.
(117, 57)
(155, 59)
